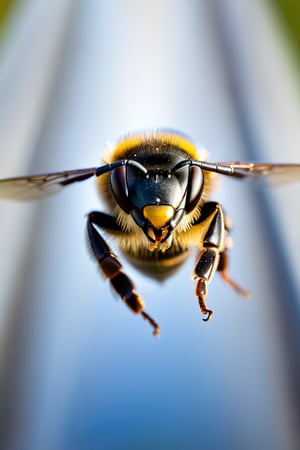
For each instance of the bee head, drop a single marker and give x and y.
(158, 197)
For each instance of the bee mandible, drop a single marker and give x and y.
(156, 186)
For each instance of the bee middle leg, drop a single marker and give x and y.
(110, 265)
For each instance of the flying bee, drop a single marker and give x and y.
(156, 186)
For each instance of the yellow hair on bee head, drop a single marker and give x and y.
(162, 137)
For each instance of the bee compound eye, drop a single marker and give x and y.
(195, 187)
(118, 184)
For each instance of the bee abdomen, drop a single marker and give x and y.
(157, 264)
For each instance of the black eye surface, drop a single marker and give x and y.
(118, 184)
(182, 175)
(195, 188)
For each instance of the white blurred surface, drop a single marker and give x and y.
(28, 65)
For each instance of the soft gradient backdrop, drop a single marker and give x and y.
(78, 370)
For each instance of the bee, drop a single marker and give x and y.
(157, 187)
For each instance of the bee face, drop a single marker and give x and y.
(158, 199)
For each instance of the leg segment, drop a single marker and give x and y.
(111, 267)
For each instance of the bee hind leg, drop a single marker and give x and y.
(223, 270)
(111, 267)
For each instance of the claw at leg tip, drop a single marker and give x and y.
(209, 315)
(246, 294)
(156, 332)
(156, 329)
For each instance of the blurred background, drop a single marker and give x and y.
(78, 371)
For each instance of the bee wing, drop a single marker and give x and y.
(275, 174)
(36, 186)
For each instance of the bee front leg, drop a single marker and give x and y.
(110, 265)
(212, 223)
(213, 229)
(213, 254)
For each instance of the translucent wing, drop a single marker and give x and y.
(36, 186)
(275, 174)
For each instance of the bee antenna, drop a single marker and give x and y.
(223, 169)
(122, 162)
